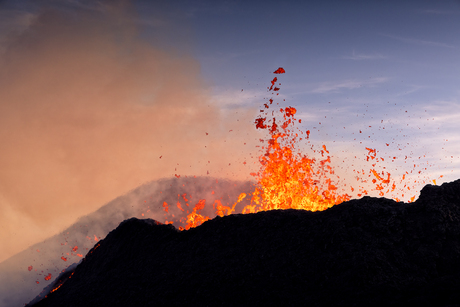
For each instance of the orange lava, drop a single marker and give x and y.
(195, 218)
(288, 178)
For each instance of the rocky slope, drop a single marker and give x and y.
(18, 285)
(371, 251)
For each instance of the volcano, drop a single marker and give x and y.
(369, 251)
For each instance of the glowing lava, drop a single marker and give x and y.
(287, 178)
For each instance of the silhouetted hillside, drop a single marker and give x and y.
(19, 285)
(366, 252)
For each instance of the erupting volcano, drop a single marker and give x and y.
(291, 179)
(366, 252)
(229, 153)
(310, 255)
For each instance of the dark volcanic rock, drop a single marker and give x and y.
(366, 252)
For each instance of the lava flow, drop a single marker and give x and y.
(289, 179)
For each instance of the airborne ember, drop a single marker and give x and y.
(289, 178)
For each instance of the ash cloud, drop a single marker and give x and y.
(90, 111)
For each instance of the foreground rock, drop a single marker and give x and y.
(371, 251)
(19, 285)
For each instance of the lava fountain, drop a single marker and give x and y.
(290, 179)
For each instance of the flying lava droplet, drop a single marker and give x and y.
(279, 71)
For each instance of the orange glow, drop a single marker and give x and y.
(289, 179)
(180, 207)
(61, 284)
(195, 219)
(286, 178)
(165, 207)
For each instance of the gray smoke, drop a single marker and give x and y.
(19, 285)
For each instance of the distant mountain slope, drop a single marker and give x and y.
(18, 285)
(366, 252)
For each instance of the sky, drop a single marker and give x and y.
(99, 97)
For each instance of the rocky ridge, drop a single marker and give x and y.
(370, 251)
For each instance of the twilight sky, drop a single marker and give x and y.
(93, 93)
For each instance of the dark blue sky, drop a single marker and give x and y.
(358, 63)
(317, 40)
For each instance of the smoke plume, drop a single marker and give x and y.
(89, 111)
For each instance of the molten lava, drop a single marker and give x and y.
(288, 178)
